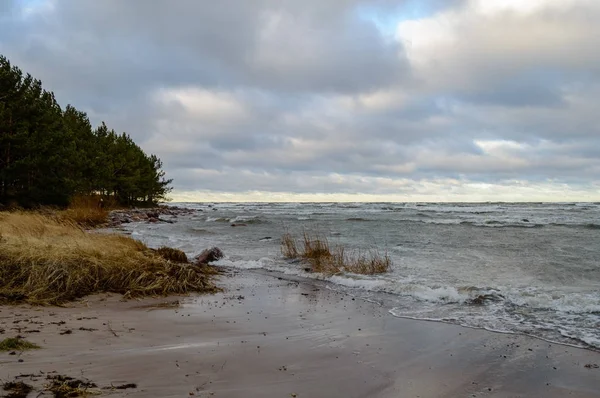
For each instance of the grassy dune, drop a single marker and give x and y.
(50, 259)
(322, 257)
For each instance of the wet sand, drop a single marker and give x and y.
(272, 337)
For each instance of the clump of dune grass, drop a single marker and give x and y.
(175, 255)
(316, 251)
(289, 246)
(86, 211)
(17, 344)
(368, 263)
(88, 217)
(46, 260)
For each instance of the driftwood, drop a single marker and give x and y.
(209, 255)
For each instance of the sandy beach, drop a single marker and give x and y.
(269, 336)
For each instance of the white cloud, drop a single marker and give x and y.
(418, 191)
(494, 39)
(204, 105)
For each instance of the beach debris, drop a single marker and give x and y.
(110, 329)
(60, 386)
(239, 298)
(484, 298)
(65, 386)
(161, 305)
(31, 376)
(17, 389)
(209, 255)
(121, 387)
(592, 366)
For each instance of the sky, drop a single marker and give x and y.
(338, 100)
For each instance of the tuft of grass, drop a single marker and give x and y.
(17, 344)
(45, 260)
(289, 247)
(175, 255)
(369, 263)
(318, 253)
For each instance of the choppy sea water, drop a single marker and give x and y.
(534, 267)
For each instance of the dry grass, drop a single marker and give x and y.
(17, 344)
(175, 255)
(85, 217)
(323, 258)
(289, 246)
(369, 263)
(85, 211)
(47, 260)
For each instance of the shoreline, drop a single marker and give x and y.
(118, 217)
(325, 282)
(275, 336)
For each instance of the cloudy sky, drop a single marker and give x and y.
(406, 100)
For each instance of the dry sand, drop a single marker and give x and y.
(272, 337)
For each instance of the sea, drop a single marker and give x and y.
(526, 268)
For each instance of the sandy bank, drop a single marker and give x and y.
(272, 337)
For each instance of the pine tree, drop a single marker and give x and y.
(47, 155)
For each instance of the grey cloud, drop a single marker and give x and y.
(517, 94)
(306, 75)
(6, 7)
(121, 48)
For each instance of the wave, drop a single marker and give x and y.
(425, 215)
(478, 224)
(199, 231)
(502, 304)
(238, 219)
(217, 219)
(584, 226)
(248, 220)
(516, 310)
(531, 299)
(522, 223)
